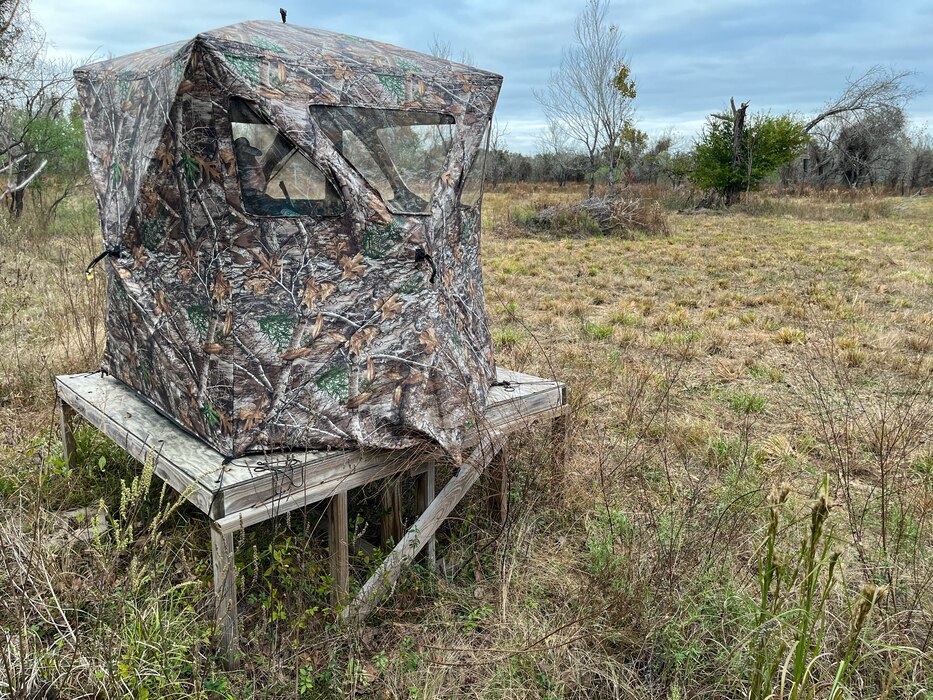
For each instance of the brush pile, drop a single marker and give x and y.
(611, 215)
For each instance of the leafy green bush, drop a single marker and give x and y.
(768, 142)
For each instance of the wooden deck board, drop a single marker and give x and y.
(256, 487)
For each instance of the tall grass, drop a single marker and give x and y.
(743, 351)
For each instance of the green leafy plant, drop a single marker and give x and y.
(597, 331)
(791, 635)
(767, 143)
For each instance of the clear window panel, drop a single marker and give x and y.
(473, 185)
(358, 154)
(401, 153)
(276, 178)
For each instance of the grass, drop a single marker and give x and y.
(744, 512)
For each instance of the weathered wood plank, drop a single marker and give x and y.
(337, 528)
(129, 427)
(519, 423)
(104, 397)
(385, 577)
(367, 467)
(227, 622)
(425, 485)
(66, 416)
(390, 526)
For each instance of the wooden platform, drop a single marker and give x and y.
(250, 490)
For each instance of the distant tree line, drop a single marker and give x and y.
(863, 138)
(860, 138)
(640, 159)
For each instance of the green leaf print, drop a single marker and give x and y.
(278, 329)
(199, 315)
(394, 84)
(335, 382)
(378, 240)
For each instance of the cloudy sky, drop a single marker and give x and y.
(688, 56)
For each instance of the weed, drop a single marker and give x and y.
(507, 337)
(744, 403)
(597, 331)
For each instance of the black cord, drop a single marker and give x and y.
(505, 384)
(112, 252)
(509, 385)
(284, 472)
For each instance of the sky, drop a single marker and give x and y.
(688, 56)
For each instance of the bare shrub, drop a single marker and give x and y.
(876, 436)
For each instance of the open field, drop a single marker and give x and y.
(718, 375)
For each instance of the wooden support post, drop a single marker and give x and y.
(384, 578)
(498, 494)
(337, 528)
(391, 527)
(225, 596)
(66, 415)
(425, 486)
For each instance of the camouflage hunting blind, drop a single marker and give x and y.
(291, 219)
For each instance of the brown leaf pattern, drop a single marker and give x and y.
(389, 307)
(353, 267)
(429, 340)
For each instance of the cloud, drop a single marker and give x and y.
(689, 56)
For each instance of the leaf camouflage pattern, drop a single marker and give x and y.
(297, 218)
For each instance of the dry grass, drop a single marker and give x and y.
(772, 345)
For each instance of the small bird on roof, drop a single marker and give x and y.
(283, 12)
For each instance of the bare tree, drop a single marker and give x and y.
(497, 161)
(553, 147)
(920, 170)
(590, 95)
(441, 48)
(869, 150)
(10, 30)
(34, 92)
(858, 136)
(876, 90)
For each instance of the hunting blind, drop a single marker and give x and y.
(291, 220)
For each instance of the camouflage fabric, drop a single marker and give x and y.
(266, 318)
